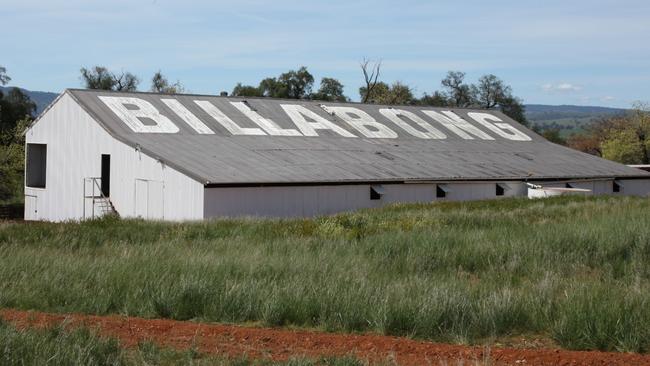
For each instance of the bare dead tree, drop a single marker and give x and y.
(126, 81)
(371, 76)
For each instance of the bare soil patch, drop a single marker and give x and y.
(281, 344)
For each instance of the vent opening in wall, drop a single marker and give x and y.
(500, 190)
(441, 191)
(616, 187)
(36, 162)
(376, 192)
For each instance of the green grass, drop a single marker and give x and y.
(56, 347)
(572, 269)
(61, 347)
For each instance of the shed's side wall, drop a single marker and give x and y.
(596, 187)
(635, 187)
(75, 143)
(628, 187)
(322, 200)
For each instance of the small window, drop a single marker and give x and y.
(36, 161)
(376, 192)
(441, 192)
(568, 185)
(500, 190)
(616, 187)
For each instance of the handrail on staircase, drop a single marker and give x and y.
(94, 183)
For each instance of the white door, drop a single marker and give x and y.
(149, 199)
(141, 193)
(156, 203)
(31, 207)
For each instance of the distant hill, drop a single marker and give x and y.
(42, 99)
(567, 118)
(541, 112)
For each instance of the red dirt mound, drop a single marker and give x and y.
(281, 344)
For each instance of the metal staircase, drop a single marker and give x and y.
(105, 206)
(100, 204)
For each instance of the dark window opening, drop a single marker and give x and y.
(36, 162)
(616, 188)
(106, 175)
(440, 193)
(568, 185)
(500, 190)
(376, 192)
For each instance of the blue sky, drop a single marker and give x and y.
(551, 52)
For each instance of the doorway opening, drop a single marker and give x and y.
(106, 175)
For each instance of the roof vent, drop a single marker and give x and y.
(376, 192)
(501, 189)
(442, 190)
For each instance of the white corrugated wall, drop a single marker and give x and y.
(75, 143)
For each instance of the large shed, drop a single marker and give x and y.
(189, 157)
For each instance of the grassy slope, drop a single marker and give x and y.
(573, 269)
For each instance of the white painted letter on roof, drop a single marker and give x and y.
(187, 116)
(395, 115)
(363, 122)
(145, 110)
(268, 125)
(458, 125)
(297, 113)
(225, 121)
(502, 129)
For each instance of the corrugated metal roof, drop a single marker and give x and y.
(223, 158)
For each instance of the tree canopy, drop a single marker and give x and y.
(15, 106)
(624, 146)
(241, 90)
(160, 84)
(625, 139)
(330, 90)
(4, 78)
(16, 112)
(489, 92)
(293, 84)
(458, 93)
(437, 99)
(99, 77)
(382, 93)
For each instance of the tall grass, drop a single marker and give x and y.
(56, 346)
(574, 269)
(60, 347)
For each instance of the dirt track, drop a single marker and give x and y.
(280, 344)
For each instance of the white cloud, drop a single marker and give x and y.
(561, 87)
(607, 98)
